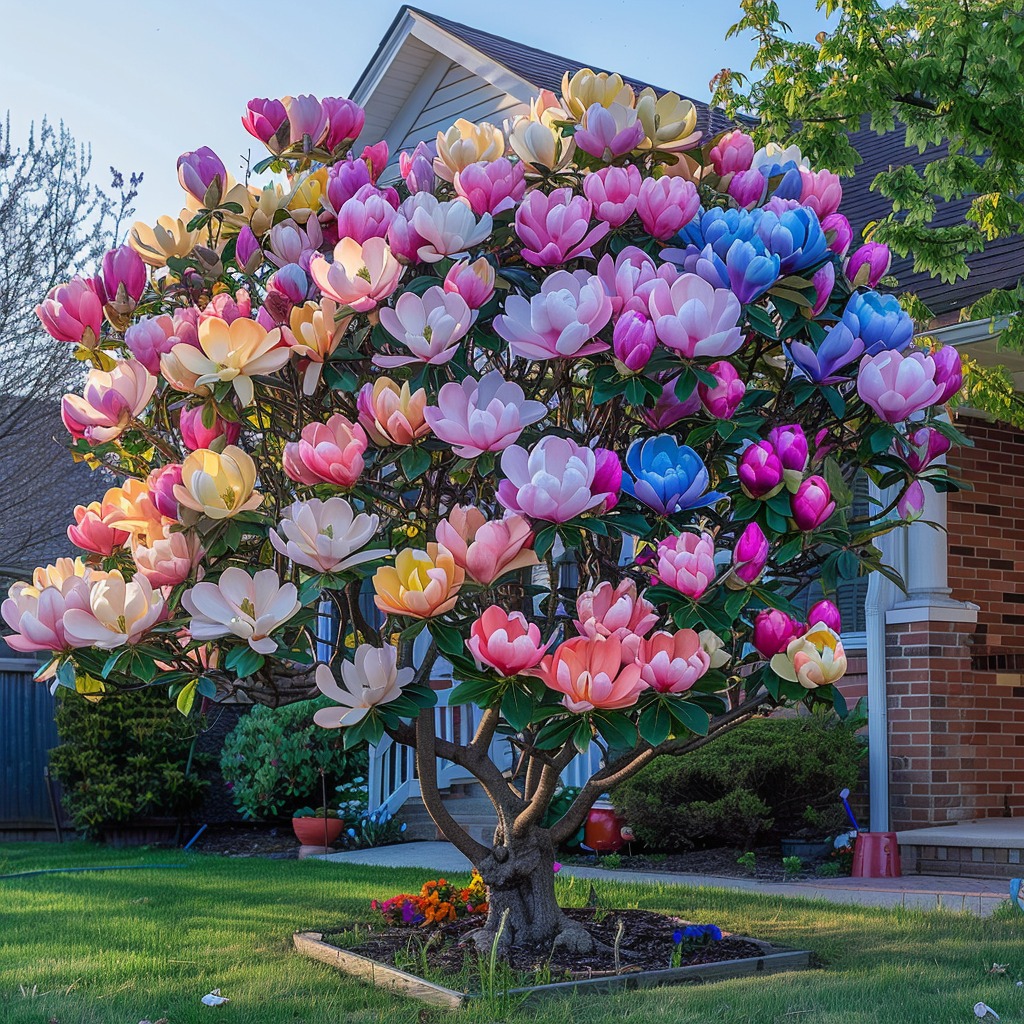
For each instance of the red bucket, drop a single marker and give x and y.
(603, 831)
(876, 855)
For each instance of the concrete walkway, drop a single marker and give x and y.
(923, 892)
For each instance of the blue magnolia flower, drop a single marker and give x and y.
(667, 476)
(839, 348)
(794, 235)
(879, 321)
(751, 268)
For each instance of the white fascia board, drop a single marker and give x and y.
(384, 60)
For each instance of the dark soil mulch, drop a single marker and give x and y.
(277, 843)
(646, 945)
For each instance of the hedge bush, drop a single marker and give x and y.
(124, 758)
(272, 759)
(769, 778)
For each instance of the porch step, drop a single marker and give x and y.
(986, 848)
(475, 814)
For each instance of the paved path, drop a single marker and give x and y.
(924, 892)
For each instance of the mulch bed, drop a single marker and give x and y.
(646, 944)
(277, 843)
(719, 861)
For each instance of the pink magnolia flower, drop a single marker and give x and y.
(724, 398)
(328, 453)
(160, 485)
(306, 116)
(672, 662)
(473, 281)
(613, 193)
(37, 617)
(609, 132)
(107, 611)
(560, 321)
(555, 228)
(840, 226)
(344, 179)
(403, 238)
(486, 549)
(124, 275)
(760, 471)
(110, 401)
(196, 434)
(686, 562)
(417, 169)
(376, 158)
(616, 611)
(869, 264)
(227, 307)
(791, 446)
(153, 336)
(243, 606)
(926, 445)
(627, 279)
(295, 243)
(361, 276)
(750, 555)
(821, 191)
(590, 674)
(345, 120)
(949, 372)
(506, 642)
(911, 502)
(482, 416)
(93, 529)
(666, 204)
(491, 186)
(169, 560)
(264, 119)
(326, 536)
(556, 480)
(812, 503)
(447, 229)
(897, 385)
(72, 312)
(392, 414)
(773, 631)
(633, 341)
(368, 214)
(733, 152)
(694, 318)
(826, 613)
(430, 326)
(668, 410)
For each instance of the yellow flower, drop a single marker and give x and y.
(305, 198)
(233, 352)
(587, 87)
(421, 584)
(168, 237)
(466, 143)
(54, 575)
(218, 485)
(316, 335)
(668, 121)
(815, 659)
(265, 204)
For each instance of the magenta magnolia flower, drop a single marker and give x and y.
(869, 264)
(666, 204)
(686, 562)
(750, 555)
(161, 483)
(826, 612)
(491, 186)
(150, 338)
(560, 321)
(196, 434)
(345, 120)
(481, 416)
(773, 631)
(733, 152)
(949, 372)
(668, 410)
(248, 251)
(328, 453)
(199, 172)
(264, 119)
(633, 340)
(555, 228)
(790, 444)
(748, 188)
(760, 471)
(556, 480)
(896, 386)
(722, 400)
(911, 503)
(430, 326)
(695, 319)
(72, 312)
(344, 179)
(609, 132)
(123, 268)
(368, 214)
(812, 503)
(613, 193)
(837, 223)
(926, 445)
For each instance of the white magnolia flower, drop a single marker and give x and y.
(326, 535)
(372, 678)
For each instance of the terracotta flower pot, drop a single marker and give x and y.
(317, 831)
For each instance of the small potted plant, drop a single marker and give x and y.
(316, 827)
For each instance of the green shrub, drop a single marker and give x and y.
(272, 759)
(768, 778)
(124, 758)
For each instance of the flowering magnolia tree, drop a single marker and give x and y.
(591, 335)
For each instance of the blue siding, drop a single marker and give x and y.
(27, 732)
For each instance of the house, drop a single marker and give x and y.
(942, 666)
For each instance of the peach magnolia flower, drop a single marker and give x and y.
(107, 611)
(169, 237)
(234, 352)
(392, 414)
(672, 662)
(93, 529)
(487, 549)
(248, 607)
(326, 453)
(168, 560)
(56, 574)
(467, 143)
(218, 484)
(132, 508)
(361, 276)
(110, 401)
(326, 536)
(313, 335)
(590, 674)
(371, 678)
(815, 659)
(618, 612)
(421, 584)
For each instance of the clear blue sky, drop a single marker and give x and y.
(143, 81)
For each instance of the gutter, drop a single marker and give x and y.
(968, 333)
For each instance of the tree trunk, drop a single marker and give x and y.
(523, 911)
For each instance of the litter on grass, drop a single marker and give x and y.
(214, 998)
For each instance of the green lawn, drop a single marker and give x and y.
(120, 947)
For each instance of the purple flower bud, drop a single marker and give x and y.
(911, 503)
(790, 444)
(949, 372)
(824, 281)
(926, 445)
(668, 410)
(633, 340)
(750, 554)
(264, 120)
(202, 175)
(812, 503)
(760, 471)
(748, 188)
(344, 180)
(827, 612)
(292, 282)
(837, 223)
(123, 266)
(417, 169)
(248, 252)
(869, 264)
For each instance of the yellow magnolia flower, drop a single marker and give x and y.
(265, 203)
(668, 121)
(54, 575)
(815, 659)
(218, 485)
(587, 87)
(466, 143)
(305, 198)
(233, 352)
(168, 237)
(421, 584)
(316, 335)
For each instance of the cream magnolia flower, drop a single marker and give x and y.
(668, 121)
(107, 611)
(467, 143)
(265, 204)
(326, 535)
(541, 147)
(249, 607)
(218, 484)
(714, 647)
(234, 352)
(169, 237)
(815, 659)
(54, 575)
(315, 335)
(373, 678)
(587, 87)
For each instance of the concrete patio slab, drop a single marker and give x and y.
(985, 832)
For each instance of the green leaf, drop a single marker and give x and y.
(243, 661)
(187, 697)
(517, 707)
(616, 728)
(449, 639)
(655, 723)
(414, 462)
(206, 687)
(544, 540)
(690, 717)
(481, 692)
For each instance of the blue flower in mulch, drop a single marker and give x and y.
(677, 936)
(697, 933)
